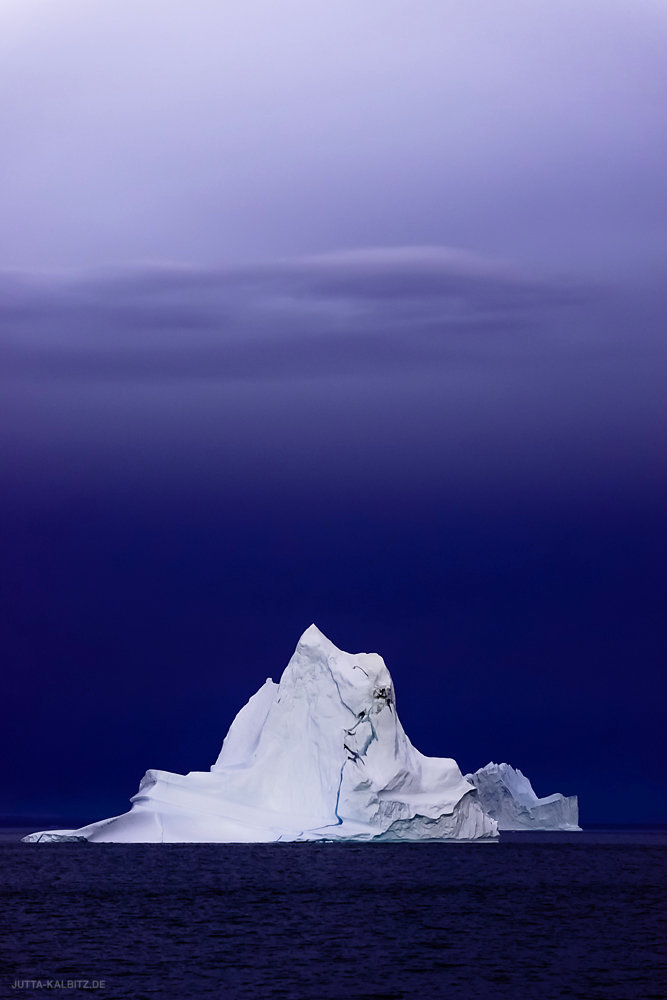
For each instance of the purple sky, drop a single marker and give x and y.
(223, 132)
(351, 312)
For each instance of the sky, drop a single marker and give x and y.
(339, 312)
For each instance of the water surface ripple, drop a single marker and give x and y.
(527, 918)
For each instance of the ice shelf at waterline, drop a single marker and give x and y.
(508, 796)
(320, 756)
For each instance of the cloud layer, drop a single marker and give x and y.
(362, 311)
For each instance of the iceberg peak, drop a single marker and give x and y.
(313, 636)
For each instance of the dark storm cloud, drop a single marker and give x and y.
(370, 310)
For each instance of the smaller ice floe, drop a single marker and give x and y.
(508, 796)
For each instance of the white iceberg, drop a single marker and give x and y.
(320, 756)
(508, 796)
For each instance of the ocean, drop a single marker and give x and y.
(535, 916)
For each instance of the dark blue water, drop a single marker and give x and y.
(533, 917)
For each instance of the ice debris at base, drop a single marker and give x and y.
(508, 796)
(319, 756)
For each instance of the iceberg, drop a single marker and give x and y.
(320, 756)
(508, 796)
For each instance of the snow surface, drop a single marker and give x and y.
(320, 756)
(508, 796)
